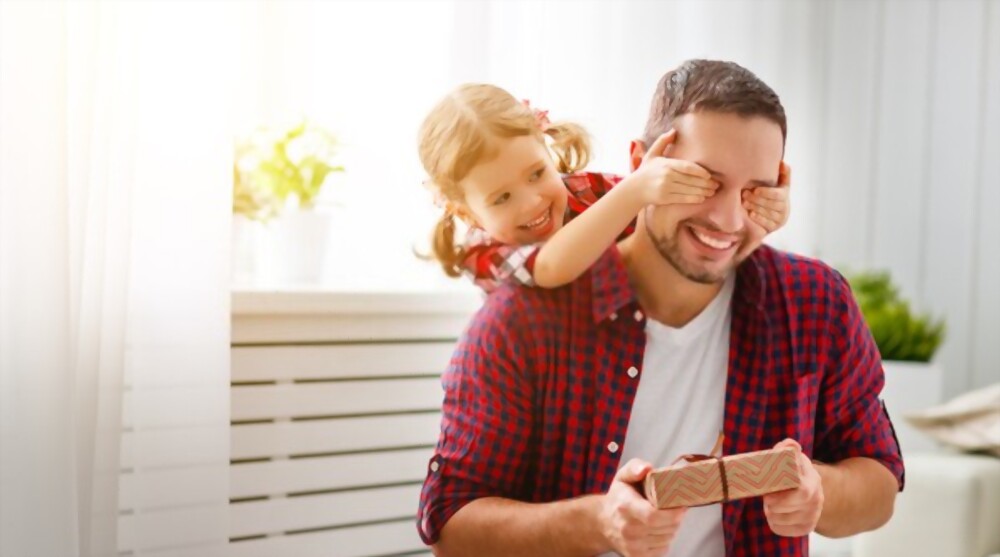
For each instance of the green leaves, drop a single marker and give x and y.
(272, 168)
(899, 333)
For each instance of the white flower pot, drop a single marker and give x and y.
(292, 249)
(911, 387)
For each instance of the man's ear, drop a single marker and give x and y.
(636, 150)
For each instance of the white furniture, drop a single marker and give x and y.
(909, 387)
(949, 508)
(912, 387)
(335, 412)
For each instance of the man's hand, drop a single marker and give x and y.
(630, 523)
(795, 512)
(663, 181)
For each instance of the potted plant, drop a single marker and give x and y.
(907, 342)
(277, 177)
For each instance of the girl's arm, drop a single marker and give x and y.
(581, 241)
(658, 180)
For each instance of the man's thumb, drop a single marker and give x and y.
(634, 471)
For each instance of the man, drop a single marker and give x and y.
(686, 328)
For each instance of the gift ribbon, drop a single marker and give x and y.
(716, 456)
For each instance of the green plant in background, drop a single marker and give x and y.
(899, 333)
(273, 169)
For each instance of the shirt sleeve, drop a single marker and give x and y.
(491, 265)
(853, 421)
(486, 420)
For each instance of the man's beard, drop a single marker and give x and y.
(670, 250)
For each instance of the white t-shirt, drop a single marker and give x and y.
(679, 407)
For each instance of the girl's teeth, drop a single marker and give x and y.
(539, 221)
(712, 242)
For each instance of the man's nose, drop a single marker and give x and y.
(725, 209)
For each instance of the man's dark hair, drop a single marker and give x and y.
(715, 86)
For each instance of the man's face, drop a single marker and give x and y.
(706, 241)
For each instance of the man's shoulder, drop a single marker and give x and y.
(522, 307)
(798, 276)
(549, 312)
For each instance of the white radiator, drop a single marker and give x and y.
(335, 412)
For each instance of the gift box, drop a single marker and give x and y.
(703, 480)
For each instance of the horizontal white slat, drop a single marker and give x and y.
(377, 539)
(215, 549)
(172, 528)
(254, 402)
(267, 363)
(335, 435)
(316, 511)
(158, 408)
(279, 477)
(174, 487)
(324, 328)
(362, 305)
(174, 447)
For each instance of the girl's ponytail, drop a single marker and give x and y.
(570, 143)
(443, 245)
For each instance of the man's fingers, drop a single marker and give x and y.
(787, 501)
(785, 519)
(667, 518)
(635, 470)
(788, 442)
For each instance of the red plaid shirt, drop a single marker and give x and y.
(538, 390)
(490, 263)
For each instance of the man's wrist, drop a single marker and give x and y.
(591, 517)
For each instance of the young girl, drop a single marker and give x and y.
(534, 220)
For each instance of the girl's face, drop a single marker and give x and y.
(518, 197)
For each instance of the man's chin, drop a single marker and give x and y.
(696, 269)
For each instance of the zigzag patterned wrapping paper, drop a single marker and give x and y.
(700, 483)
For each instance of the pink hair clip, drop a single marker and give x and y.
(541, 116)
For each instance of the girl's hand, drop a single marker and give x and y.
(664, 181)
(769, 207)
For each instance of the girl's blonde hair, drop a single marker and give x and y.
(464, 129)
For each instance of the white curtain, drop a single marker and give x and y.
(370, 71)
(115, 167)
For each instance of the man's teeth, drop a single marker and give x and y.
(712, 242)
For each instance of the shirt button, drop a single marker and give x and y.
(614, 316)
(613, 447)
(638, 315)
(434, 466)
(632, 372)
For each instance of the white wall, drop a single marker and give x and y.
(892, 107)
(910, 179)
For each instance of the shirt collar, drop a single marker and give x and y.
(611, 288)
(750, 278)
